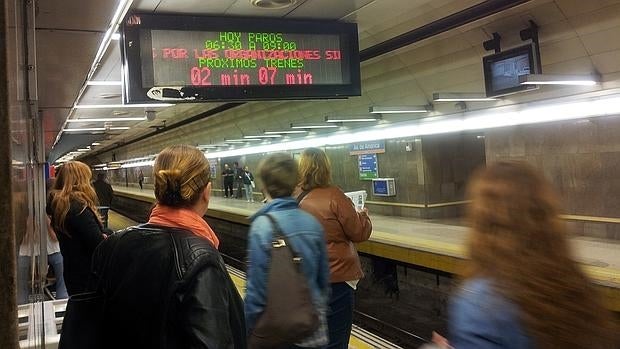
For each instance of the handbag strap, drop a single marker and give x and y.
(302, 196)
(279, 239)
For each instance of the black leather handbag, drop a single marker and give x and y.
(289, 314)
(82, 326)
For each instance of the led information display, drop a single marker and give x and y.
(194, 59)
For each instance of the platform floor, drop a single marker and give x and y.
(433, 236)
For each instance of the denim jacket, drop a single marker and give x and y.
(480, 318)
(305, 234)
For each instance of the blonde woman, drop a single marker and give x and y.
(523, 288)
(165, 283)
(72, 206)
(343, 227)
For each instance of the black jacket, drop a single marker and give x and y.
(166, 288)
(247, 177)
(78, 239)
(104, 191)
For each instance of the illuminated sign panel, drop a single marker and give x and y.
(194, 59)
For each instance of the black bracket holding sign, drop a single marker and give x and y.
(493, 44)
(531, 33)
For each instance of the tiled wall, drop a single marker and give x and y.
(448, 162)
(433, 171)
(582, 160)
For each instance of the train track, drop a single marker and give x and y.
(392, 336)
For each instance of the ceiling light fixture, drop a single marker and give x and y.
(116, 36)
(311, 126)
(117, 18)
(264, 136)
(360, 118)
(285, 132)
(461, 97)
(243, 140)
(104, 83)
(544, 79)
(95, 143)
(539, 112)
(115, 106)
(94, 129)
(272, 4)
(106, 119)
(138, 164)
(400, 109)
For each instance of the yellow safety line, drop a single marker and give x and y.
(450, 203)
(573, 217)
(356, 343)
(399, 204)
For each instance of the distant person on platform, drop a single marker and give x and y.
(238, 180)
(229, 178)
(141, 179)
(248, 184)
(105, 194)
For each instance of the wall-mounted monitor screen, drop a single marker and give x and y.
(196, 59)
(502, 70)
(383, 187)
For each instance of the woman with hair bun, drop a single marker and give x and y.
(164, 283)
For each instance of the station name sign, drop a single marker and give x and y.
(195, 59)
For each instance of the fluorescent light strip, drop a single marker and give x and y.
(310, 126)
(107, 119)
(95, 143)
(138, 164)
(243, 140)
(370, 118)
(116, 106)
(574, 80)
(479, 120)
(399, 109)
(461, 97)
(119, 13)
(264, 136)
(94, 129)
(285, 132)
(104, 83)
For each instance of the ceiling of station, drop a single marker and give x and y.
(574, 39)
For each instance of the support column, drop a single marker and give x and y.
(8, 308)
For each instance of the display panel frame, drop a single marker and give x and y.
(530, 50)
(135, 92)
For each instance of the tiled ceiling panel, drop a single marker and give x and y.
(316, 9)
(61, 71)
(195, 6)
(75, 15)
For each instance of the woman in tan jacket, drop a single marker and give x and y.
(343, 227)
